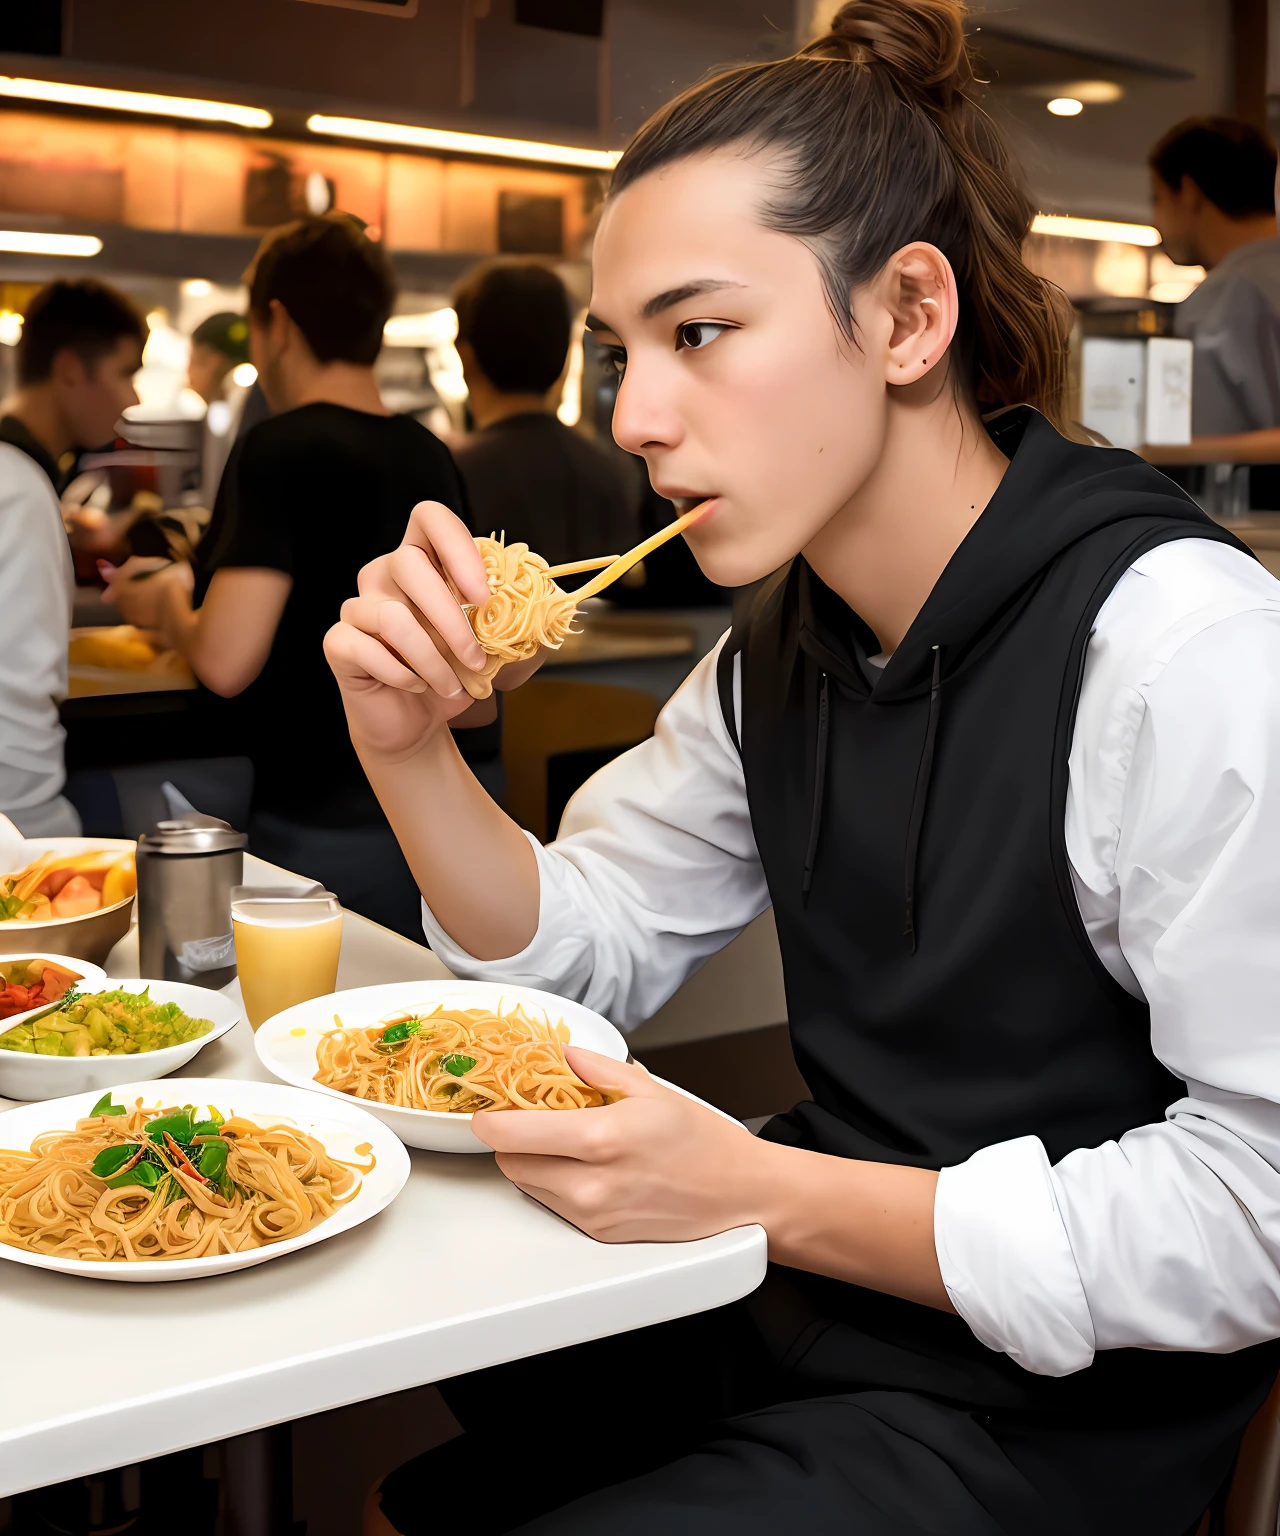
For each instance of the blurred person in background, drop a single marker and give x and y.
(219, 345)
(526, 473)
(1213, 186)
(308, 497)
(81, 346)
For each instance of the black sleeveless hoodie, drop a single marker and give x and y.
(942, 992)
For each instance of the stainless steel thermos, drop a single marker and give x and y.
(186, 868)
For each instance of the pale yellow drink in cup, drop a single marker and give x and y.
(287, 948)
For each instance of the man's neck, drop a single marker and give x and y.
(1221, 235)
(491, 406)
(884, 551)
(35, 408)
(349, 384)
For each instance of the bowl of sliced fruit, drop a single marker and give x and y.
(67, 895)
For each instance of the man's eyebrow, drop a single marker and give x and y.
(674, 296)
(668, 299)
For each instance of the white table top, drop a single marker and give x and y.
(461, 1272)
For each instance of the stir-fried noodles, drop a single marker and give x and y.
(164, 1184)
(458, 1060)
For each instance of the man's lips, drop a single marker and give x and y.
(686, 503)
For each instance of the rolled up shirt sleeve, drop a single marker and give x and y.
(655, 869)
(1168, 1238)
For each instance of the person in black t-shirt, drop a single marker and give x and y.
(309, 496)
(526, 473)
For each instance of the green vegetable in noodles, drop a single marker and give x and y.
(397, 1034)
(178, 1124)
(104, 1106)
(458, 1065)
(213, 1160)
(111, 1159)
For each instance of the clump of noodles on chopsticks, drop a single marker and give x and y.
(527, 612)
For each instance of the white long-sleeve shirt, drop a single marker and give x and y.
(1170, 1237)
(37, 585)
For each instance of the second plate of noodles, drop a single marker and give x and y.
(424, 1056)
(197, 1176)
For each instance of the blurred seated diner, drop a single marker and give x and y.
(81, 346)
(528, 475)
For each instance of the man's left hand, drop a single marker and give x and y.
(652, 1167)
(141, 602)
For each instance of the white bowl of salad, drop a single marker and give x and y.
(92, 1040)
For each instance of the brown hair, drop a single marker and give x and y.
(334, 282)
(884, 143)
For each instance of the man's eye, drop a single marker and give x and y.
(698, 333)
(616, 360)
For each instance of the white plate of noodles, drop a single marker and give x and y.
(194, 1176)
(466, 1045)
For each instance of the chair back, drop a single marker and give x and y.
(1253, 1499)
(549, 716)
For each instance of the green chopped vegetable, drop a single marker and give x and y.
(104, 1106)
(458, 1065)
(213, 1160)
(143, 1175)
(394, 1034)
(111, 1159)
(178, 1124)
(113, 1023)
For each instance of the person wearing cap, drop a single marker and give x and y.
(219, 345)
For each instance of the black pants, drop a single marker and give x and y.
(688, 1429)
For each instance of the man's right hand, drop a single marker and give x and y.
(403, 647)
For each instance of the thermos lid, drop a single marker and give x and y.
(192, 833)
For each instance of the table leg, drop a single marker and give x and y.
(257, 1484)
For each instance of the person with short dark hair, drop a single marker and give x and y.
(308, 497)
(527, 474)
(219, 345)
(81, 346)
(1213, 185)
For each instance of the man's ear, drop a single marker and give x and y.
(467, 354)
(278, 326)
(919, 290)
(68, 368)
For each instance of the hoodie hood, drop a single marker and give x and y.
(1054, 493)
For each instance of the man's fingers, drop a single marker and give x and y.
(393, 623)
(355, 655)
(432, 527)
(628, 1079)
(418, 578)
(571, 1133)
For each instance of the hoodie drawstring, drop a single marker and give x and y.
(819, 792)
(920, 796)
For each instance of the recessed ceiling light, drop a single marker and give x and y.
(1066, 106)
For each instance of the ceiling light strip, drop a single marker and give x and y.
(1094, 229)
(25, 242)
(464, 143)
(63, 94)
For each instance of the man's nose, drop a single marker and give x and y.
(644, 416)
